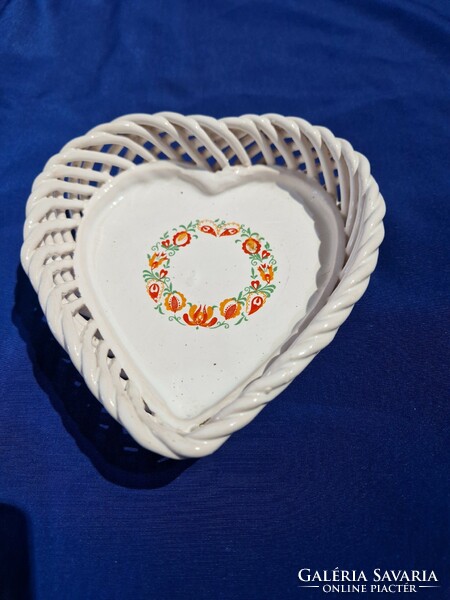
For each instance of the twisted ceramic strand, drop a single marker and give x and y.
(71, 177)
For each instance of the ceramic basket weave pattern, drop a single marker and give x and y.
(70, 179)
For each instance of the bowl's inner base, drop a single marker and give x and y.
(194, 349)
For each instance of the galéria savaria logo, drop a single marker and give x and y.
(377, 581)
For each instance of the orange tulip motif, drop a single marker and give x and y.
(157, 259)
(266, 272)
(200, 316)
(230, 311)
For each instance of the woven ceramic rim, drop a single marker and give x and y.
(69, 180)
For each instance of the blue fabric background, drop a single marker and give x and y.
(349, 468)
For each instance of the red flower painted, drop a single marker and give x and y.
(251, 246)
(182, 238)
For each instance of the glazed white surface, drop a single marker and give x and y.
(87, 167)
(184, 371)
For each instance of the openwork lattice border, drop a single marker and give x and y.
(70, 179)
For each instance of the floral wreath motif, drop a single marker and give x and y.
(249, 300)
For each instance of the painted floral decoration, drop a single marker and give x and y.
(201, 316)
(237, 309)
(251, 245)
(174, 301)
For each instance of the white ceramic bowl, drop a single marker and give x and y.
(192, 267)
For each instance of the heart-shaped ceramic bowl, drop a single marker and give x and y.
(192, 267)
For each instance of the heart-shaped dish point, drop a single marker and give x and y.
(190, 291)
